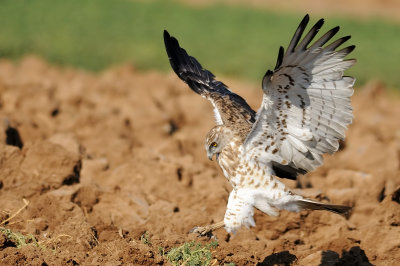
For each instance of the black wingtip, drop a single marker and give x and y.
(167, 38)
(347, 50)
(320, 23)
(310, 35)
(169, 41)
(297, 35)
(335, 30)
(280, 58)
(166, 35)
(304, 21)
(351, 48)
(337, 43)
(346, 38)
(174, 52)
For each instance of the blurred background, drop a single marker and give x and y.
(238, 39)
(113, 164)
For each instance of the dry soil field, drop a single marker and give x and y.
(104, 158)
(388, 9)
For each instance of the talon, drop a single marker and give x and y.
(197, 230)
(202, 231)
(194, 230)
(207, 230)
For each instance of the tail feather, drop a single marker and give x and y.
(314, 205)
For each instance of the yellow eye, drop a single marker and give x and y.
(214, 144)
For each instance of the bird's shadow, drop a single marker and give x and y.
(355, 256)
(281, 258)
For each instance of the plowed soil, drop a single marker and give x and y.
(388, 9)
(104, 158)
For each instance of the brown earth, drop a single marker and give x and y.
(386, 9)
(108, 157)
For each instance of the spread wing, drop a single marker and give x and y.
(229, 108)
(306, 104)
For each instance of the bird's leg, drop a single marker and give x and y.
(206, 230)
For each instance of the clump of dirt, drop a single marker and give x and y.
(109, 158)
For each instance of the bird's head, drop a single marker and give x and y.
(216, 140)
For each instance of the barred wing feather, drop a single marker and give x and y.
(306, 104)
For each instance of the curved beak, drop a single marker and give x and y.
(209, 155)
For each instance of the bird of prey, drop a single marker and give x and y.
(304, 113)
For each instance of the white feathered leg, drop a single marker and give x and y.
(265, 207)
(239, 210)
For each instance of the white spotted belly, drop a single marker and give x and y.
(245, 174)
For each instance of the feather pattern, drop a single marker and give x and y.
(306, 104)
(304, 112)
(229, 108)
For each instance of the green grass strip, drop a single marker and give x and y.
(233, 41)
